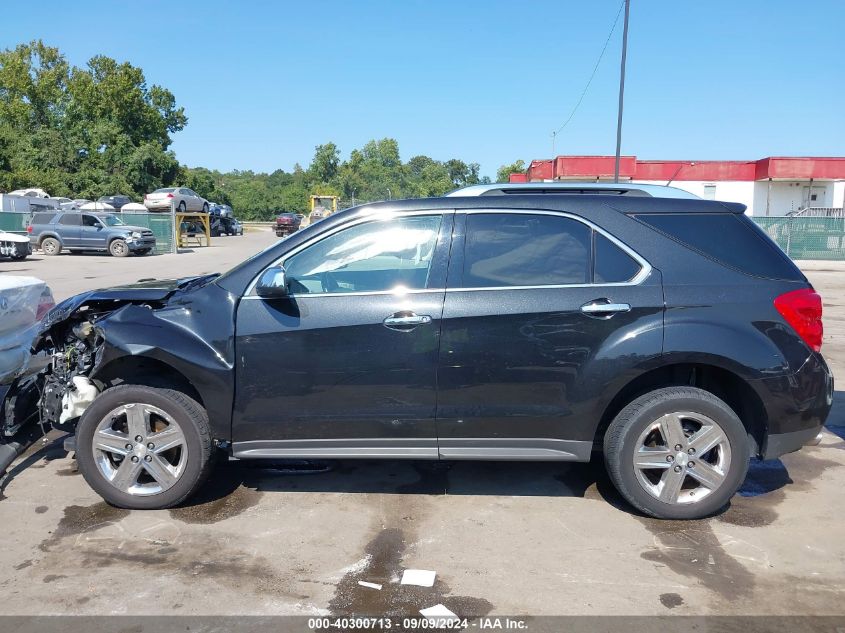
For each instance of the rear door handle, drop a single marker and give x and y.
(604, 308)
(406, 321)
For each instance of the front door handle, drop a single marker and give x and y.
(603, 308)
(406, 321)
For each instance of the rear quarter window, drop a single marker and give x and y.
(43, 218)
(730, 239)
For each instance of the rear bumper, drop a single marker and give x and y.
(778, 444)
(797, 407)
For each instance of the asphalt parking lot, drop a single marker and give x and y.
(504, 538)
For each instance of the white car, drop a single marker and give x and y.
(15, 246)
(182, 199)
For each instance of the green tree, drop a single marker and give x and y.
(325, 163)
(504, 172)
(83, 131)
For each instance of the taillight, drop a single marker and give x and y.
(45, 304)
(802, 309)
(170, 195)
(29, 229)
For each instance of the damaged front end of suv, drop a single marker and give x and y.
(153, 333)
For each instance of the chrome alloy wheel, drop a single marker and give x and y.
(682, 457)
(139, 449)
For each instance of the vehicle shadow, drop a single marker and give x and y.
(520, 479)
(836, 420)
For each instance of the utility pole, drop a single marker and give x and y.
(621, 91)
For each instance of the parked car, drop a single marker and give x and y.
(79, 231)
(287, 223)
(74, 204)
(182, 198)
(23, 303)
(118, 201)
(667, 333)
(225, 225)
(14, 246)
(31, 192)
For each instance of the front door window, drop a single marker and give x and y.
(370, 257)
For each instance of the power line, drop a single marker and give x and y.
(592, 76)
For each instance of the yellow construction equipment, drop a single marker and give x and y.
(321, 207)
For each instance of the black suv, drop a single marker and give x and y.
(498, 323)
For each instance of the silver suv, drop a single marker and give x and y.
(78, 231)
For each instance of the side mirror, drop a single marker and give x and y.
(273, 283)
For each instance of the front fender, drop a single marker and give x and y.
(194, 337)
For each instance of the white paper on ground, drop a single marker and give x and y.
(371, 585)
(439, 612)
(419, 577)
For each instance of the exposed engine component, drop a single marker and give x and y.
(77, 399)
(67, 390)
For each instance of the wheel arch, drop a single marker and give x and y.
(722, 382)
(147, 371)
(45, 235)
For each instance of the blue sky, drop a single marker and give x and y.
(264, 82)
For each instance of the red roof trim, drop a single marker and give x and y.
(781, 167)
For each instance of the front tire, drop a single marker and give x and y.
(169, 462)
(118, 248)
(677, 453)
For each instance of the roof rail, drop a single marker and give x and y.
(570, 187)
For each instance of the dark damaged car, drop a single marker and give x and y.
(667, 334)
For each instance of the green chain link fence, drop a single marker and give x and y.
(807, 237)
(161, 224)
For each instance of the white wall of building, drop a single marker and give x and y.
(784, 197)
(727, 190)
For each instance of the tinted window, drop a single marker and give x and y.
(730, 239)
(370, 257)
(70, 219)
(613, 265)
(525, 250)
(43, 218)
(90, 220)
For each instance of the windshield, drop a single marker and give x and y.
(112, 220)
(166, 190)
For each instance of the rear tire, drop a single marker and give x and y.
(139, 486)
(50, 246)
(677, 453)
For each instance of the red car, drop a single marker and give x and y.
(287, 223)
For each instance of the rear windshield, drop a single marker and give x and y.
(730, 239)
(166, 190)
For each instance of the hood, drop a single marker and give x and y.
(129, 227)
(145, 290)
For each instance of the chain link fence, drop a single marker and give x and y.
(803, 237)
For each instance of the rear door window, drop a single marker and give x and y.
(71, 219)
(728, 238)
(518, 249)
